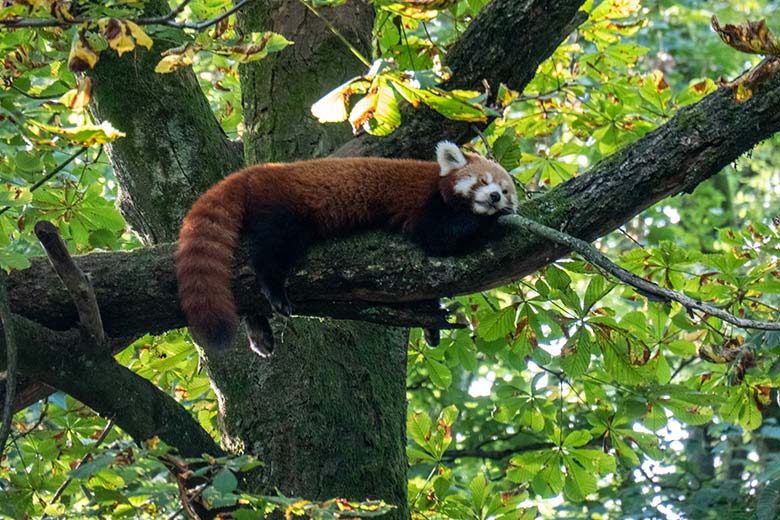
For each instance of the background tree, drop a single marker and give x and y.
(567, 394)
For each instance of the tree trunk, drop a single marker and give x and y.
(327, 411)
(174, 149)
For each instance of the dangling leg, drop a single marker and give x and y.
(279, 240)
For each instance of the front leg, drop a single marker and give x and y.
(447, 232)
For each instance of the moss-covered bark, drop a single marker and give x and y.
(174, 149)
(326, 412)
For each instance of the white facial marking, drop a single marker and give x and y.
(464, 185)
(449, 157)
(483, 203)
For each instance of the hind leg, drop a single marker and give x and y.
(279, 240)
(260, 335)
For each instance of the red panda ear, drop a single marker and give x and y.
(449, 157)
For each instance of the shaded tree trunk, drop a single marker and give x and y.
(327, 411)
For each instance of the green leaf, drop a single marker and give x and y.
(479, 491)
(448, 104)
(579, 482)
(440, 374)
(577, 438)
(225, 481)
(418, 427)
(498, 324)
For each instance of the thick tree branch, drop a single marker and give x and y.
(137, 290)
(506, 43)
(97, 380)
(11, 363)
(86, 369)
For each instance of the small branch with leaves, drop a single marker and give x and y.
(644, 287)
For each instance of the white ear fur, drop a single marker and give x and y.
(449, 157)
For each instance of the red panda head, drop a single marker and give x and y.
(472, 180)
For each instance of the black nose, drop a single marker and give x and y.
(495, 196)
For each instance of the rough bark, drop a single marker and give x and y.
(278, 91)
(326, 412)
(136, 290)
(174, 149)
(506, 43)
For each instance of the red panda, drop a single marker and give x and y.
(445, 207)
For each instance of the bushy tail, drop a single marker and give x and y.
(204, 260)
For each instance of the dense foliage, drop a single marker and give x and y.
(570, 395)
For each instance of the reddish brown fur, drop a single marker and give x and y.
(322, 198)
(335, 194)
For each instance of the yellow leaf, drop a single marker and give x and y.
(82, 56)
(117, 35)
(141, 38)
(175, 58)
(85, 135)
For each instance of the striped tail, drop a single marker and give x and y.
(204, 260)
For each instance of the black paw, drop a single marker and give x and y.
(432, 337)
(260, 335)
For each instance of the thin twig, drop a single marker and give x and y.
(628, 236)
(52, 173)
(166, 19)
(484, 139)
(103, 435)
(643, 286)
(11, 362)
(168, 16)
(208, 23)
